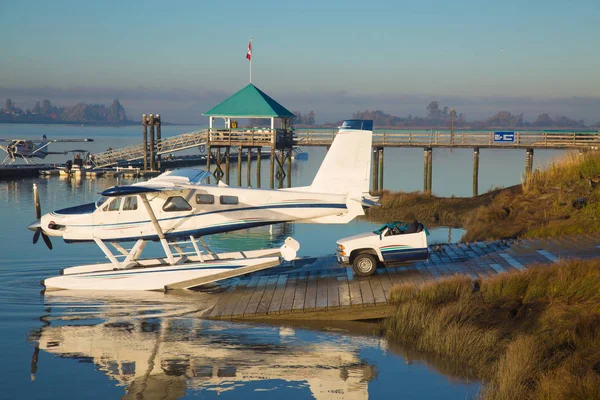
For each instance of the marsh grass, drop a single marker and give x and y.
(432, 210)
(529, 334)
(561, 199)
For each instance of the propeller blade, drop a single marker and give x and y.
(36, 235)
(36, 202)
(47, 241)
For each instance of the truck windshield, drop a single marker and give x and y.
(390, 225)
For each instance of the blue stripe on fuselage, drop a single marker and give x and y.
(316, 205)
(186, 234)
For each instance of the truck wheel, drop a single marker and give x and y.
(364, 264)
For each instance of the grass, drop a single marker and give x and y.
(533, 334)
(562, 199)
(432, 210)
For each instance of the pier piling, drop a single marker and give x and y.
(158, 140)
(218, 171)
(425, 165)
(145, 138)
(258, 158)
(151, 132)
(475, 171)
(239, 166)
(289, 168)
(375, 170)
(381, 168)
(429, 169)
(227, 164)
(249, 170)
(528, 163)
(272, 166)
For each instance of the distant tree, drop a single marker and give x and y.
(36, 108)
(116, 112)
(311, 118)
(543, 120)
(504, 118)
(46, 108)
(433, 111)
(8, 105)
(567, 122)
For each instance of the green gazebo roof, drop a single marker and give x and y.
(250, 102)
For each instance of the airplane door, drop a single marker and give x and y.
(106, 220)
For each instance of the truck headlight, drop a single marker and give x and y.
(340, 250)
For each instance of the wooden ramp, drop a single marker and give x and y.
(320, 289)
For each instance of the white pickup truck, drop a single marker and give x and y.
(394, 243)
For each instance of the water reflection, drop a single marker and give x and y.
(149, 348)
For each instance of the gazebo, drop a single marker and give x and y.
(250, 103)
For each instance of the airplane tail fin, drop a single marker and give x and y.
(347, 165)
(43, 147)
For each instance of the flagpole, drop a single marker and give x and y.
(251, 57)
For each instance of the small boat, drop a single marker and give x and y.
(50, 172)
(298, 154)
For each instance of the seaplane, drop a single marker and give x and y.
(177, 209)
(27, 149)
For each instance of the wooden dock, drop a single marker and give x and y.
(467, 139)
(320, 289)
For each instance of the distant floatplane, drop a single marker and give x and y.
(27, 149)
(177, 210)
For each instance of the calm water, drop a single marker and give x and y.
(150, 345)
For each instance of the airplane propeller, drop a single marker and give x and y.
(36, 226)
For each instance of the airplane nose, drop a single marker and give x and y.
(35, 225)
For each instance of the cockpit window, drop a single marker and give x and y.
(176, 203)
(130, 203)
(115, 205)
(101, 201)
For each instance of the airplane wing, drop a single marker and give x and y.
(40, 148)
(70, 140)
(3, 140)
(170, 180)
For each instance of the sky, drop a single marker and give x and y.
(181, 58)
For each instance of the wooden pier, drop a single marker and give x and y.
(320, 289)
(528, 141)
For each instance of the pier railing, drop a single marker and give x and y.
(551, 140)
(163, 146)
(245, 137)
(242, 137)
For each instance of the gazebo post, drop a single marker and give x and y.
(249, 170)
(227, 154)
(258, 150)
(239, 166)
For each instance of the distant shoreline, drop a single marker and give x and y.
(128, 123)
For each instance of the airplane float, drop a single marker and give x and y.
(27, 149)
(177, 209)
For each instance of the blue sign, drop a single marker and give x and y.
(504, 136)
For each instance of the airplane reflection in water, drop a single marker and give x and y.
(158, 354)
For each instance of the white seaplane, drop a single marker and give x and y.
(27, 149)
(175, 208)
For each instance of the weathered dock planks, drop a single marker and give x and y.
(320, 289)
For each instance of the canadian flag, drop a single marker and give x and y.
(249, 54)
